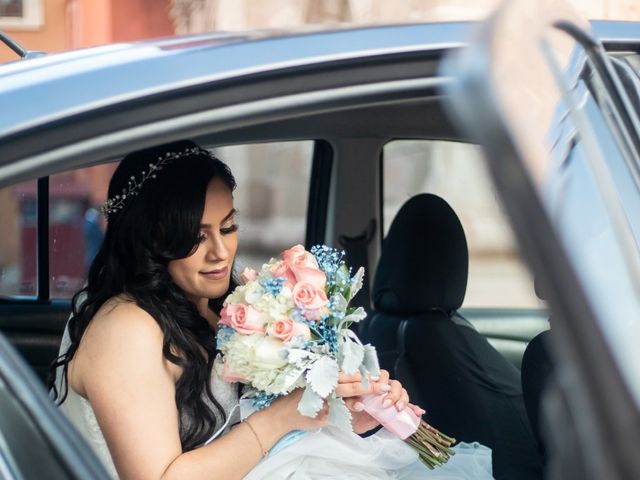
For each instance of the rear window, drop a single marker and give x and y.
(457, 172)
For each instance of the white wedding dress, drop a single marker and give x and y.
(328, 453)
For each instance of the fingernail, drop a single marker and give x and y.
(358, 406)
(374, 378)
(423, 411)
(400, 406)
(385, 388)
(387, 402)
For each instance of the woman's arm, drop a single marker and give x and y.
(120, 368)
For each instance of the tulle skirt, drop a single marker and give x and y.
(333, 453)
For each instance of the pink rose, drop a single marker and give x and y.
(248, 275)
(281, 269)
(309, 275)
(228, 375)
(295, 251)
(243, 318)
(313, 300)
(286, 329)
(304, 266)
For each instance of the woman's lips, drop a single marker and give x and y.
(217, 274)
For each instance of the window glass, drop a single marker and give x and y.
(75, 225)
(271, 197)
(18, 240)
(11, 8)
(456, 172)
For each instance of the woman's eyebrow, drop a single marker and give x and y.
(231, 213)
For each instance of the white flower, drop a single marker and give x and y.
(235, 297)
(252, 292)
(264, 302)
(269, 353)
(285, 299)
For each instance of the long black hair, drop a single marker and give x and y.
(157, 223)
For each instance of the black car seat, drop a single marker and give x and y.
(468, 388)
(537, 365)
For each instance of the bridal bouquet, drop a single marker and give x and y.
(287, 327)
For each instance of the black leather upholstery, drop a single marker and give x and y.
(468, 389)
(537, 365)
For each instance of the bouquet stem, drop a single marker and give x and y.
(434, 447)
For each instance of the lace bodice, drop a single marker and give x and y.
(78, 409)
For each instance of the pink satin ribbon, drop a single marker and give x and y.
(403, 424)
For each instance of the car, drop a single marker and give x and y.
(333, 130)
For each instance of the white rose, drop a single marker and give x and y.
(269, 353)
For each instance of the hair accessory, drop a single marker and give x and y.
(134, 185)
(262, 449)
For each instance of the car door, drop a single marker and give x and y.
(560, 135)
(36, 440)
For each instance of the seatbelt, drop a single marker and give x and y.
(356, 252)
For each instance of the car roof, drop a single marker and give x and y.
(44, 89)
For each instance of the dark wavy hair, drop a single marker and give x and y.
(159, 224)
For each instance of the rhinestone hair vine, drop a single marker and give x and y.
(134, 185)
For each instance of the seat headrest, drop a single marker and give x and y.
(425, 262)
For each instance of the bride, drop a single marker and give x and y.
(136, 372)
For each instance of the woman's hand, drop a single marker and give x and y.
(286, 413)
(351, 389)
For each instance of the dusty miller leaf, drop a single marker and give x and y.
(323, 376)
(364, 376)
(356, 282)
(339, 302)
(355, 316)
(310, 403)
(296, 355)
(370, 360)
(351, 356)
(339, 414)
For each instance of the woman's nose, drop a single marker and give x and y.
(217, 249)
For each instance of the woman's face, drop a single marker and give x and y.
(206, 273)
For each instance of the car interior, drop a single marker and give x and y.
(344, 208)
(354, 130)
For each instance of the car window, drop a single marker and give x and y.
(75, 225)
(271, 198)
(456, 172)
(18, 240)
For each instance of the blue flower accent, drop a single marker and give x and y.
(329, 259)
(329, 334)
(273, 285)
(223, 334)
(263, 400)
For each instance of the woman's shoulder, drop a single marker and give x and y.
(122, 320)
(121, 337)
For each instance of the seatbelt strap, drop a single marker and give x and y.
(356, 250)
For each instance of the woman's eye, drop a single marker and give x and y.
(229, 229)
(202, 237)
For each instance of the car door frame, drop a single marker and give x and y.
(592, 421)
